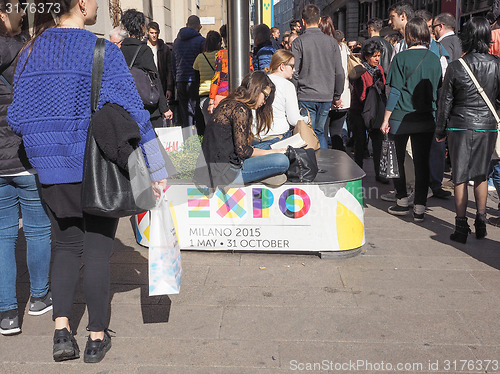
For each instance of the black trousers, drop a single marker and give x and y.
(335, 123)
(90, 237)
(189, 106)
(420, 146)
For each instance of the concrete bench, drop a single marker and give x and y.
(324, 216)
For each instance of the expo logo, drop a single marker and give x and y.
(293, 203)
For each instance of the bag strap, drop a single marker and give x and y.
(6, 83)
(480, 89)
(134, 58)
(204, 55)
(97, 69)
(420, 63)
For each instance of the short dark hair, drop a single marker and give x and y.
(370, 47)
(293, 23)
(133, 21)
(213, 41)
(273, 29)
(261, 33)
(376, 23)
(417, 32)
(476, 35)
(339, 36)
(424, 14)
(310, 14)
(153, 25)
(402, 7)
(447, 20)
(193, 21)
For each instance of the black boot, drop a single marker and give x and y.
(480, 225)
(461, 230)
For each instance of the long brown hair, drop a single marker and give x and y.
(281, 56)
(247, 93)
(326, 25)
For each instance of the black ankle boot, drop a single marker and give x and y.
(480, 225)
(65, 346)
(461, 230)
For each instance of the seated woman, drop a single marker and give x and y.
(285, 105)
(374, 74)
(226, 144)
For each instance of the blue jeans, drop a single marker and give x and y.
(261, 167)
(266, 144)
(437, 158)
(495, 176)
(23, 191)
(319, 115)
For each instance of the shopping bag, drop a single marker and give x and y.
(170, 137)
(165, 267)
(388, 161)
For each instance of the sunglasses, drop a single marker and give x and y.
(434, 26)
(266, 95)
(291, 65)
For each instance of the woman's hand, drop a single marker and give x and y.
(210, 108)
(159, 187)
(168, 114)
(385, 127)
(441, 140)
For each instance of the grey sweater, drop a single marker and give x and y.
(319, 75)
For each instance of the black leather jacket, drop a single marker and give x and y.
(460, 101)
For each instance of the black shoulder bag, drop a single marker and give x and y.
(303, 164)
(145, 83)
(107, 189)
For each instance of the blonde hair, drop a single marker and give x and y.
(281, 56)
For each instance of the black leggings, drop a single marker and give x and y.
(92, 237)
(420, 147)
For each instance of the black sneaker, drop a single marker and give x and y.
(40, 305)
(65, 346)
(9, 322)
(398, 210)
(96, 349)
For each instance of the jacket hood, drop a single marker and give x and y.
(187, 33)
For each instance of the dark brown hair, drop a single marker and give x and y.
(310, 14)
(417, 33)
(326, 25)
(248, 92)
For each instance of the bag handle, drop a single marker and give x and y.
(308, 114)
(97, 69)
(134, 57)
(480, 89)
(6, 83)
(206, 58)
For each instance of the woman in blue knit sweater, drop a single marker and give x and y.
(51, 111)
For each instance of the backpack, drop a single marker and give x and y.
(145, 83)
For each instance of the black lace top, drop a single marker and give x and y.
(226, 134)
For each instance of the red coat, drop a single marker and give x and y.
(360, 87)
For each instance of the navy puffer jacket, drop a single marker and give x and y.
(188, 44)
(13, 158)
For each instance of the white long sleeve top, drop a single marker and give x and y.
(285, 107)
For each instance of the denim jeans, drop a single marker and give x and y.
(495, 176)
(261, 167)
(266, 144)
(319, 115)
(437, 158)
(23, 191)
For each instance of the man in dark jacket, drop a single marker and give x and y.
(188, 44)
(373, 27)
(319, 75)
(444, 30)
(162, 57)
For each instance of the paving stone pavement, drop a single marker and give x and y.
(411, 297)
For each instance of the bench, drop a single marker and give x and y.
(324, 216)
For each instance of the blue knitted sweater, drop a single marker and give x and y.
(51, 105)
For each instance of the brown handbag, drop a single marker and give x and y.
(307, 133)
(355, 68)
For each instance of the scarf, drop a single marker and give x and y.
(370, 69)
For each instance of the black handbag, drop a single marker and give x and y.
(303, 164)
(107, 189)
(145, 84)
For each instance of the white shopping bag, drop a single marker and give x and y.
(170, 137)
(165, 268)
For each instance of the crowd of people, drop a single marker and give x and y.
(415, 88)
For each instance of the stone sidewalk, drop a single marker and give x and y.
(411, 297)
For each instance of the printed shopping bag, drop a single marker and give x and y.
(170, 137)
(165, 268)
(388, 161)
